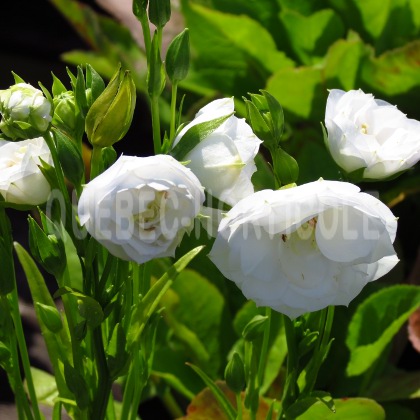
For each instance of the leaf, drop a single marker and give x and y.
(205, 406)
(46, 388)
(395, 72)
(396, 386)
(149, 303)
(234, 53)
(194, 309)
(195, 135)
(218, 394)
(310, 36)
(346, 409)
(374, 15)
(375, 323)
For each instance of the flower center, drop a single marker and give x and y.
(364, 128)
(151, 215)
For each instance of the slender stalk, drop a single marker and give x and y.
(289, 393)
(238, 406)
(128, 394)
(173, 111)
(171, 404)
(95, 162)
(157, 142)
(264, 348)
(103, 391)
(146, 34)
(17, 321)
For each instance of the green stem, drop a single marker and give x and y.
(173, 111)
(104, 381)
(17, 321)
(128, 393)
(289, 394)
(171, 404)
(95, 162)
(157, 145)
(238, 406)
(264, 348)
(57, 167)
(146, 35)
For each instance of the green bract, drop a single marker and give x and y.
(110, 116)
(26, 112)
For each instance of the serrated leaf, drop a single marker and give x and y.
(375, 323)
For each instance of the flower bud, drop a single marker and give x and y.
(254, 328)
(110, 116)
(50, 317)
(159, 12)
(26, 112)
(178, 57)
(64, 116)
(235, 374)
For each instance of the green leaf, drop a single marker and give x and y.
(46, 388)
(195, 135)
(94, 82)
(233, 53)
(285, 167)
(77, 385)
(194, 310)
(302, 405)
(375, 323)
(174, 382)
(218, 394)
(346, 409)
(397, 386)
(117, 356)
(374, 15)
(149, 303)
(310, 36)
(80, 92)
(58, 86)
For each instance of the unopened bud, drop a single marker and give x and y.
(50, 317)
(254, 328)
(235, 374)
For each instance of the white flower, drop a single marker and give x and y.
(21, 181)
(364, 132)
(302, 249)
(140, 208)
(26, 112)
(224, 160)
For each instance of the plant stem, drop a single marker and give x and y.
(17, 321)
(264, 348)
(173, 111)
(103, 391)
(95, 162)
(146, 34)
(171, 404)
(156, 125)
(238, 406)
(289, 393)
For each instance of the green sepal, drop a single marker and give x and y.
(285, 167)
(70, 158)
(49, 173)
(254, 328)
(159, 12)
(257, 122)
(195, 135)
(109, 156)
(17, 78)
(48, 250)
(178, 57)
(156, 72)
(235, 374)
(276, 114)
(95, 83)
(50, 317)
(80, 92)
(116, 354)
(57, 87)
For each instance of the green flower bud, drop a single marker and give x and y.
(50, 317)
(110, 116)
(48, 250)
(159, 12)
(254, 328)
(266, 118)
(178, 57)
(235, 374)
(26, 112)
(64, 116)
